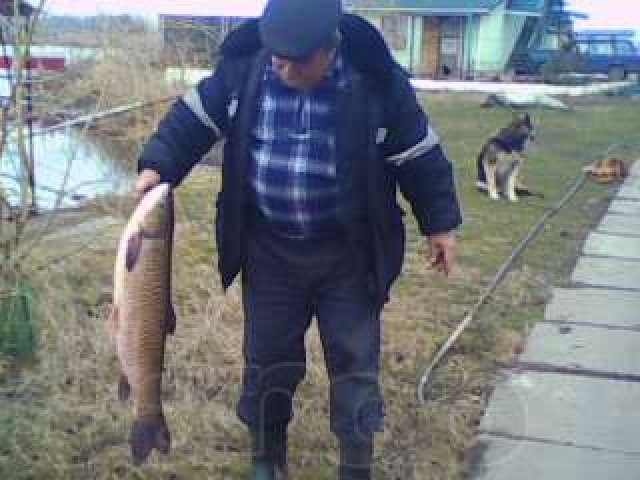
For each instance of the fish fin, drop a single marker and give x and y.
(113, 323)
(171, 320)
(124, 389)
(148, 434)
(133, 250)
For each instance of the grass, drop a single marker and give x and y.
(60, 418)
(17, 335)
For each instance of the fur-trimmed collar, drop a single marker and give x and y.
(362, 46)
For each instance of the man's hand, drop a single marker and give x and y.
(442, 252)
(147, 179)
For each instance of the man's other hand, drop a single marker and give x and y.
(442, 248)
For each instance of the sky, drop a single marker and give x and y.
(602, 13)
(608, 13)
(240, 8)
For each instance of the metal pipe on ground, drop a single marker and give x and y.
(497, 279)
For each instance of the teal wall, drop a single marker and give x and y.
(488, 40)
(471, 30)
(416, 45)
(498, 33)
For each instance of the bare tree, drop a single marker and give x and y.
(16, 37)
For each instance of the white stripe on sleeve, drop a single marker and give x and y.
(193, 101)
(426, 144)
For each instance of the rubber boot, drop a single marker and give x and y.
(269, 454)
(355, 461)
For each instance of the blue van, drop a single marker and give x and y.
(610, 53)
(605, 52)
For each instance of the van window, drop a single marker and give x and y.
(550, 42)
(600, 48)
(624, 48)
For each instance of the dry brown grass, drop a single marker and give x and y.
(125, 70)
(66, 406)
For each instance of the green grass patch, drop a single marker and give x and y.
(17, 322)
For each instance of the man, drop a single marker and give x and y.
(321, 126)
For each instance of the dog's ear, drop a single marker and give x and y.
(621, 169)
(516, 118)
(524, 118)
(521, 117)
(624, 169)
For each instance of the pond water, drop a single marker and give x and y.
(69, 169)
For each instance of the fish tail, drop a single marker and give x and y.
(147, 434)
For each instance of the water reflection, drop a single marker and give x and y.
(69, 169)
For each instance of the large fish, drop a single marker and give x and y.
(143, 315)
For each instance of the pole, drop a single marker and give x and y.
(499, 276)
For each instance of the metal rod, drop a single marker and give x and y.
(86, 119)
(499, 276)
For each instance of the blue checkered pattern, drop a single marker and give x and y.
(293, 167)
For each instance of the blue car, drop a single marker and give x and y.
(617, 57)
(614, 56)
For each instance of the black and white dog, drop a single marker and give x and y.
(501, 158)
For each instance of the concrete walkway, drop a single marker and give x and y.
(573, 409)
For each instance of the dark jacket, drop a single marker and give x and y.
(383, 140)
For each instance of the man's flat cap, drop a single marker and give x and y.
(296, 28)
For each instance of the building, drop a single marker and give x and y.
(11, 21)
(459, 38)
(431, 38)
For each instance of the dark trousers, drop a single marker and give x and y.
(285, 283)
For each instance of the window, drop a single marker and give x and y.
(550, 42)
(583, 47)
(600, 48)
(394, 29)
(624, 48)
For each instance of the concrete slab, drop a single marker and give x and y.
(572, 409)
(589, 348)
(595, 306)
(627, 207)
(607, 272)
(620, 224)
(612, 246)
(506, 459)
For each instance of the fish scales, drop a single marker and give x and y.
(143, 315)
